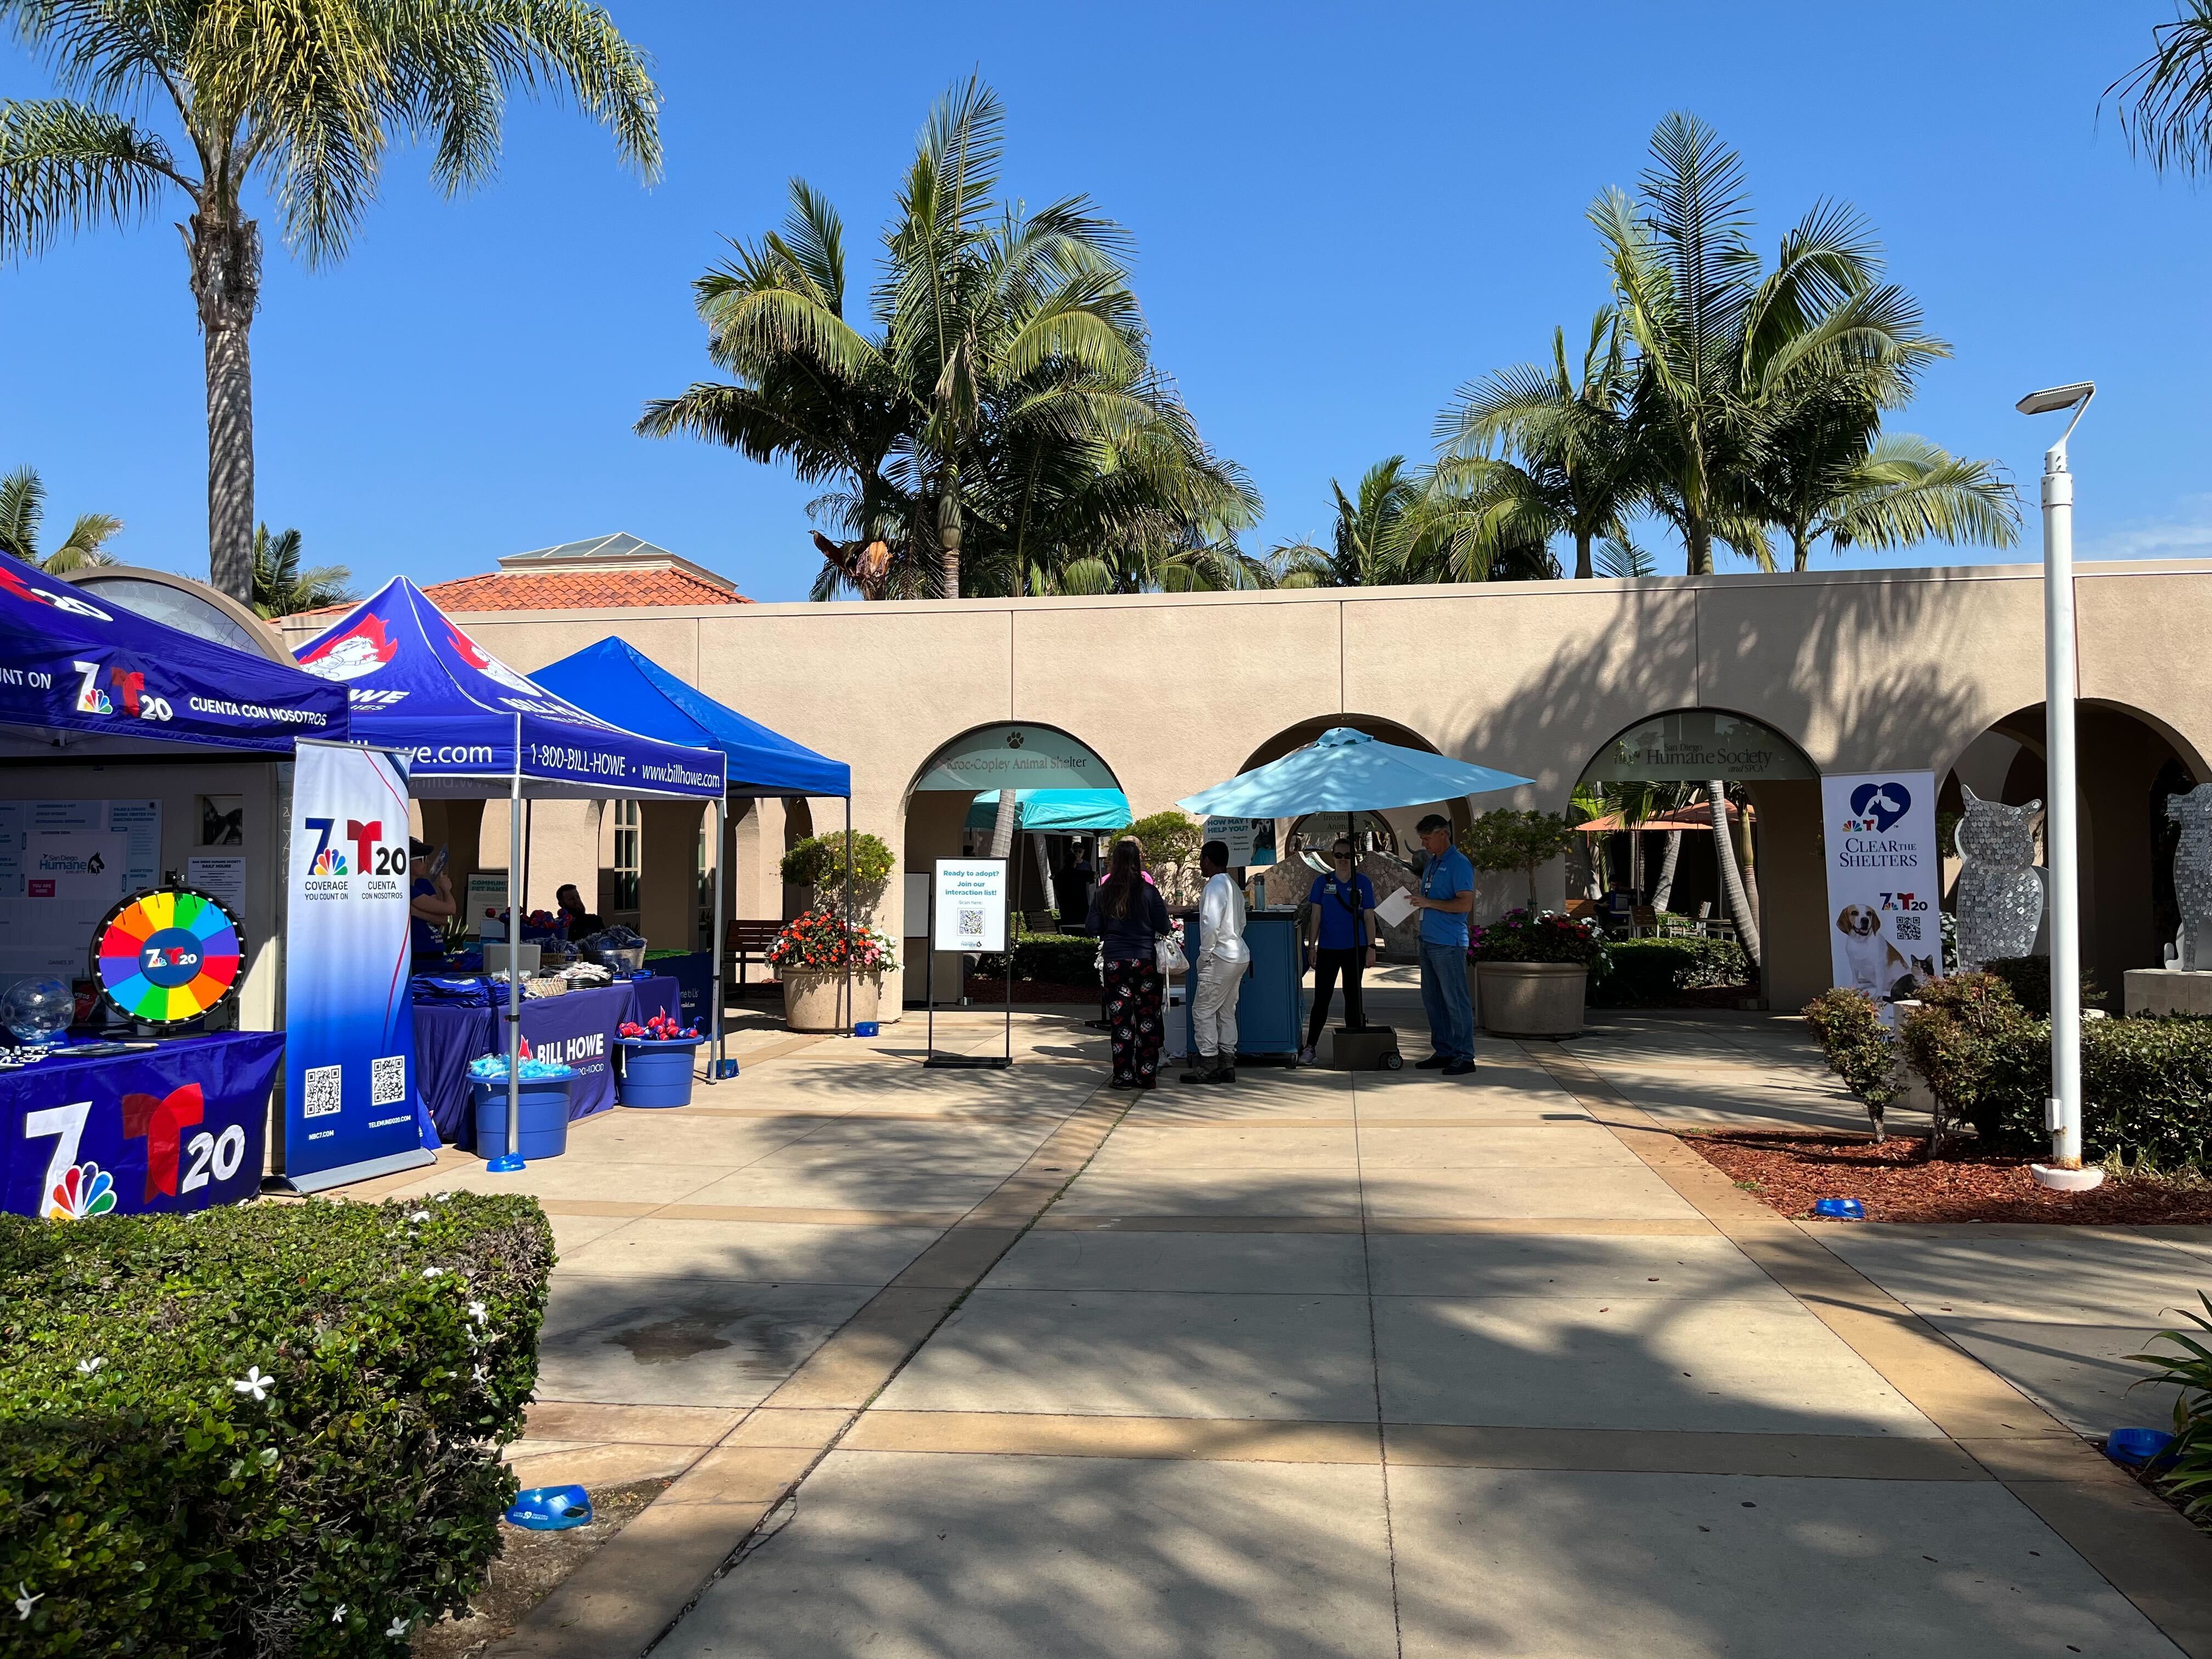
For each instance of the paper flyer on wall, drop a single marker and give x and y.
(64, 865)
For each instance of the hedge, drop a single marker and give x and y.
(1860, 1049)
(2028, 978)
(270, 1430)
(1048, 959)
(1652, 972)
(2146, 1083)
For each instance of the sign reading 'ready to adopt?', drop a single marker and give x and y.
(970, 905)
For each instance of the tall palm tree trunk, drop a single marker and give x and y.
(1584, 569)
(1663, 893)
(1739, 903)
(225, 250)
(948, 536)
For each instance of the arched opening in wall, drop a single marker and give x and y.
(1384, 842)
(798, 826)
(2128, 765)
(1653, 863)
(1062, 797)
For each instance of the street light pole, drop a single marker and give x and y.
(2062, 1112)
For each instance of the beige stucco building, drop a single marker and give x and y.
(1862, 670)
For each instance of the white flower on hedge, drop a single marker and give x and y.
(87, 1367)
(432, 1273)
(253, 1383)
(338, 1613)
(25, 1601)
(396, 1628)
(477, 1312)
(420, 1215)
(477, 1374)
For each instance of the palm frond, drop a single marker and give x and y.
(65, 168)
(2165, 102)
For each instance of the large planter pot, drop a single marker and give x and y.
(810, 1000)
(1531, 998)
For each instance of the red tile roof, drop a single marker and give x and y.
(577, 590)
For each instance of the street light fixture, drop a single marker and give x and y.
(2062, 1111)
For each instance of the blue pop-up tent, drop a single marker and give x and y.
(88, 678)
(618, 682)
(474, 729)
(1346, 770)
(1055, 811)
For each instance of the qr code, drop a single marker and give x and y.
(971, 921)
(1908, 928)
(387, 1080)
(324, 1095)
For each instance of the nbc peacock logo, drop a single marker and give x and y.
(329, 862)
(85, 1189)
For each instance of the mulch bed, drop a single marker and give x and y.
(1788, 1170)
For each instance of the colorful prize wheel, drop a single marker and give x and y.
(168, 955)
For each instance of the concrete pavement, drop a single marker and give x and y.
(972, 1363)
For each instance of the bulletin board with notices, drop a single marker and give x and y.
(64, 865)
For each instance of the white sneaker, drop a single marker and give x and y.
(1306, 1056)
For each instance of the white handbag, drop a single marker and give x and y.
(1167, 956)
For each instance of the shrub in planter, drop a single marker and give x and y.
(271, 1430)
(2028, 978)
(1648, 972)
(1540, 936)
(819, 862)
(819, 942)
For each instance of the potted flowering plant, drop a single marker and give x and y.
(1531, 971)
(811, 955)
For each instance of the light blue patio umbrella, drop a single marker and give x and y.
(1344, 770)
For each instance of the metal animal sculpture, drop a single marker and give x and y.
(2000, 902)
(2192, 868)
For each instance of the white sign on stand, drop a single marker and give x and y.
(1885, 881)
(970, 905)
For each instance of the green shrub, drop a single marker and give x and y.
(1504, 839)
(261, 1431)
(1169, 837)
(2185, 1470)
(1653, 972)
(819, 862)
(2146, 1083)
(1539, 936)
(2028, 978)
(1047, 958)
(1861, 1050)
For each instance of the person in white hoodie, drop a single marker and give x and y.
(1222, 958)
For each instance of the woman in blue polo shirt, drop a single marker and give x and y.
(1339, 938)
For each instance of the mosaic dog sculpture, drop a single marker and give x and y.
(2192, 868)
(1999, 902)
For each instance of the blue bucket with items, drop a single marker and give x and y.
(656, 1061)
(541, 1106)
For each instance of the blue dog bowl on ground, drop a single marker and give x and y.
(1840, 1209)
(551, 1508)
(542, 1111)
(2136, 1448)
(655, 1073)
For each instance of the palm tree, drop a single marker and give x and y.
(2165, 100)
(301, 101)
(22, 514)
(1721, 345)
(995, 414)
(1367, 542)
(1893, 490)
(280, 588)
(1576, 454)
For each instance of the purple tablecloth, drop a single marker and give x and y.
(657, 995)
(577, 1028)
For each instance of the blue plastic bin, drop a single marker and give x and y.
(653, 1073)
(543, 1107)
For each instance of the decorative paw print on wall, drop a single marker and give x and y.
(2000, 904)
(2192, 869)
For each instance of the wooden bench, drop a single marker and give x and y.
(747, 942)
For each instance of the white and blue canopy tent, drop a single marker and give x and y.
(1346, 770)
(474, 729)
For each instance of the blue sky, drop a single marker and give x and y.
(1340, 214)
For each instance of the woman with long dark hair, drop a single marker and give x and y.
(1128, 914)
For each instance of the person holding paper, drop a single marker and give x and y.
(1340, 940)
(1222, 958)
(1446, 897)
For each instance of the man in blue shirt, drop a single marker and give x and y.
(1447, 896)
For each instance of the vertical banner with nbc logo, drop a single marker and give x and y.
(1885, 881)
(349, 1025)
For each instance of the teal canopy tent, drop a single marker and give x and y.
(1344, 771)
(1055, 811)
